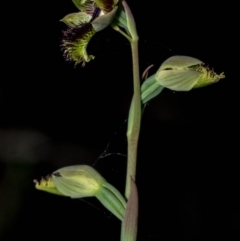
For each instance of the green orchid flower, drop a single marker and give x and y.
(93, 17)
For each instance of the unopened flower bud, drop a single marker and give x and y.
(179, 73)
(83, 181)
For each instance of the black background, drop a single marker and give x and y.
(55, 115)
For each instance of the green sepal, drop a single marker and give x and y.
(150, 89)
(84, 5)
(116, 193)
(75, 19)
(109, 197)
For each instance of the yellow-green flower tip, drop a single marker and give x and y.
(208, 77)
(46, 184)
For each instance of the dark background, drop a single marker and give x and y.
(53, 115)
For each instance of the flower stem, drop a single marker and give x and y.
(116, 28)
(134, 121)
(134, 118)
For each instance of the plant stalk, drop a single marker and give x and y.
(134, 119)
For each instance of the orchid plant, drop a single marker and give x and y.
(178, 73)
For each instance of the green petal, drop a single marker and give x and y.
(74, 44)
(76, 19)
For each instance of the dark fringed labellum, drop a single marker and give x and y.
(75, 41)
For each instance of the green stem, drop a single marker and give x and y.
(134, 118)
